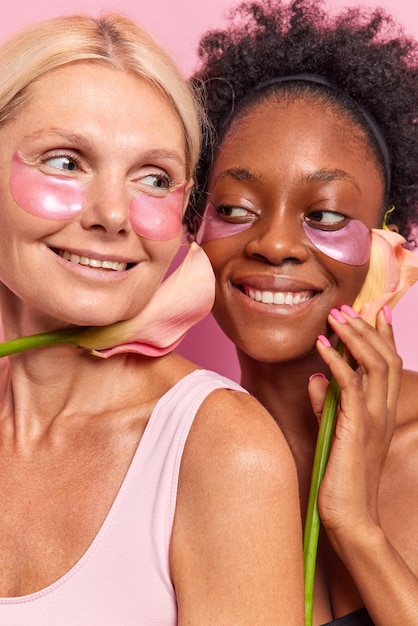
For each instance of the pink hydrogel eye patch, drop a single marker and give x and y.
(50, 197)
(213, 226)
(350, 244)
(158, 218)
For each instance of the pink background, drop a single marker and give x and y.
(177, 24)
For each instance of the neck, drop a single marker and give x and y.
(283, 389)
(48, 385)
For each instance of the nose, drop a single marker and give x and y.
(107, 207)
(278, 239)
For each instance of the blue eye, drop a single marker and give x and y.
(62, 163)
(157, 181)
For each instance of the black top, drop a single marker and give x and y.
(357, 618)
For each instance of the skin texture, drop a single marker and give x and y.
(68, 434)
(318, 160)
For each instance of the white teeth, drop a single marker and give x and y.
(84, 260)
(270, 297)
(267, 297)
(279, 298)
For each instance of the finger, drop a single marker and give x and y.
(377, 391)
(373, 349)
(351, 327)
(317, 389)
(385, 329)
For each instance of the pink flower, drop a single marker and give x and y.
(392, 270)
(182, 300)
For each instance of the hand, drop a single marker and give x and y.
(366, 420)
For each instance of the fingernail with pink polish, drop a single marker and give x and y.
(337, 315)
(324, 340)
(317, 375)
(387, 313)
(348, 310)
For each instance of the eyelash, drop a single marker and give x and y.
(330, 224)
(62, 155)
(223, 209)
(162, 176)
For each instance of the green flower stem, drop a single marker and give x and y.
(313, 522)
(60, 337)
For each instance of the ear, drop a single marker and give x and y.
(392, 227)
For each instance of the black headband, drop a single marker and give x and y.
(370, 121)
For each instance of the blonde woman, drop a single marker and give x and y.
(135, 489)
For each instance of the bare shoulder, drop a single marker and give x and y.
(236, 428)
(236, 543)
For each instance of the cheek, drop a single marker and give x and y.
(219, 253)
(351, 244)
(213, 227)
(49, 197)
(350, 282)
(156, 218)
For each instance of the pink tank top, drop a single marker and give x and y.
(123, 579)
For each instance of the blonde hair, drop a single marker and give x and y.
(112, 39)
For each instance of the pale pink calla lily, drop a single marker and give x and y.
(182, 300)
(392, 270)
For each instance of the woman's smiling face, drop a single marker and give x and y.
(294, 190)
(84, 170)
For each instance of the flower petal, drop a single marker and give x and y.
(182, 300)
(392, 270)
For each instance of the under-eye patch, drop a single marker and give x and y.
(213, 226)
(158, 218)
(349, 244)
(58, 197)
(50, 197)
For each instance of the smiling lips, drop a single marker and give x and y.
(278, 297)
(116, 266)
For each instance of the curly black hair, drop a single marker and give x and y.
(363, 53)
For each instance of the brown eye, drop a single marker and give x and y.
(326, 218)
(234, 212)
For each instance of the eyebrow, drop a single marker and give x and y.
(74, 138)
(328, 176)
(324, 175)
(84, 144)
(239, 173)
(165, 154)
